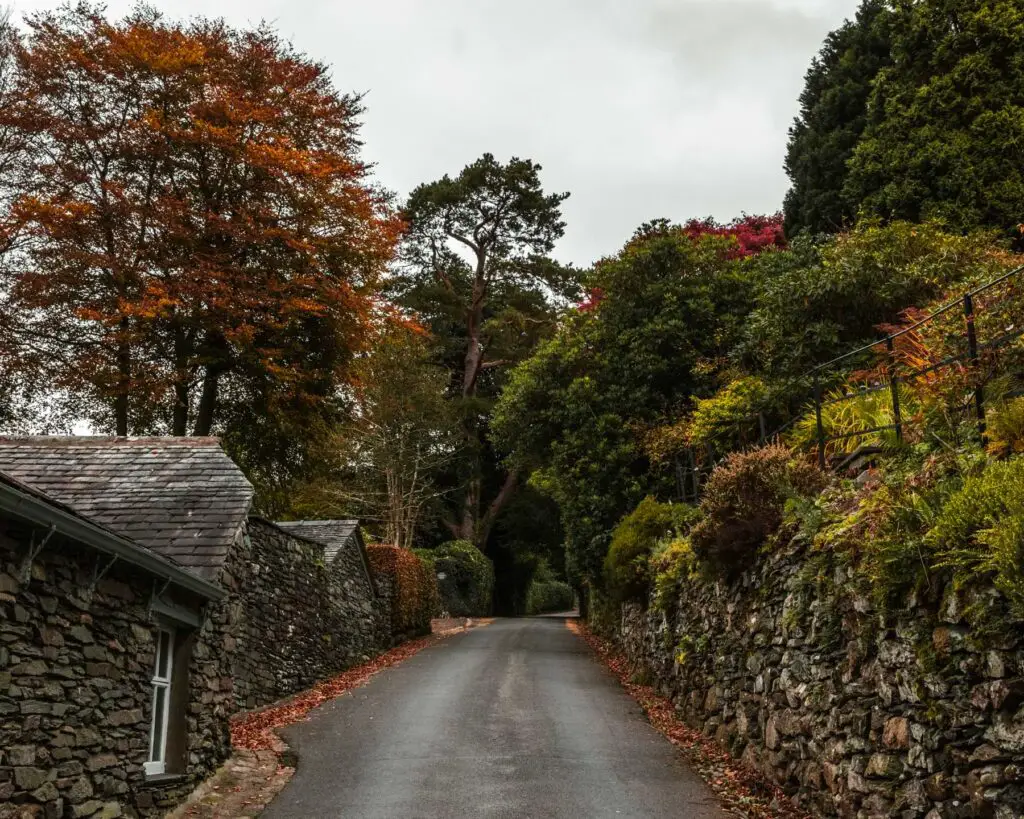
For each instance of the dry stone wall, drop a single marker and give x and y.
(291, 617)
(76, 664)
(915, 711)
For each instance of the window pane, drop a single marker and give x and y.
(163, 654)
(159, 698)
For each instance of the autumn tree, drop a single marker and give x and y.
(199, 239)
(13, 398)
(475, 267)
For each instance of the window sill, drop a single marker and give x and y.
(163, 779)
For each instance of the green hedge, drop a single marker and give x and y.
(465, 578)
(546, 596)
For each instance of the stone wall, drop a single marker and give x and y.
(856, 712)
(291, 618)
(75, 695)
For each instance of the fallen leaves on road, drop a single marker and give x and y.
(741, 790)
(254, 730)
(256, 772)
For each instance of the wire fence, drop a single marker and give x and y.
(968, 332)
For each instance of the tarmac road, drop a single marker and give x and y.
(516, 719)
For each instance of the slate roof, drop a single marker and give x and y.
(49, 512)
(331, 534)
(181, 497)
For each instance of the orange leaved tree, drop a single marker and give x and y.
(197, 244)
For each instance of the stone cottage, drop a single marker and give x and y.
(141, 604)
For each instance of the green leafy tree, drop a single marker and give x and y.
(833, 114)
(574, 415)
(816, 301)
(476, 273)
(945, 133)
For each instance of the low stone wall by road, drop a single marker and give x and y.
(292, 617)
(855, 712)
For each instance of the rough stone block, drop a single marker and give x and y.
(896, 733)
(80, 790)
(85, 809)
(100, 761)
(21, 755)
(125, 717)
(28, 779)
(45, 793)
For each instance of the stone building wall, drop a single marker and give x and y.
(292, 618)
(75, 695)
(856, 712)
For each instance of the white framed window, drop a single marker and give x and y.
(162, 670)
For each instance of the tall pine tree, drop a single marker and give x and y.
(833, 108)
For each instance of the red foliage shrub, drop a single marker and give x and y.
(409, 585)
(753, 233)
(744, 500)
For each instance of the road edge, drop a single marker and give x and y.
(740, 789)
(261, 762)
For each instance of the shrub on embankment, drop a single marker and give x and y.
(549, 596)
(465, 578)
(408, 586)
(744, 500)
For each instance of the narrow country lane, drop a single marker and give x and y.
(513, 720)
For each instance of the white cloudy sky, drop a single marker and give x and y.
(639, 108)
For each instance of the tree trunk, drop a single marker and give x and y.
(471, 504)
(207, 402)
(124, 381)
(507, 490)
(179, 421)
(473, 527)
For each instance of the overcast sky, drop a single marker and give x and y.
(639, 108)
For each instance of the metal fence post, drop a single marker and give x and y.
(894, 389)
(972, 351)
(696, 476)
(817, 417)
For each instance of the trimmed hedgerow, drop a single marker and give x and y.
(626, 567)
(465, 578)
(546, 596)
(409, 585)
(744, 500)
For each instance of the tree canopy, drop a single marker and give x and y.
(945, 132)
(195, 243)
(833, 115)
(575, 412)
(474, 268)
